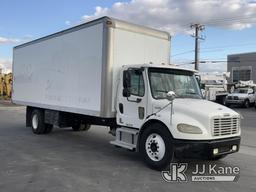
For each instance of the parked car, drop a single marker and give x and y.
(244, 96)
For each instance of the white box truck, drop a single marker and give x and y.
(113, 73)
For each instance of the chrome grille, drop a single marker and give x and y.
(225, 126)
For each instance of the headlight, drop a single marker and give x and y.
(185, 128)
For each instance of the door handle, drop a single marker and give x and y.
(138, 100)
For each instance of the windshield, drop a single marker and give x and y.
(240, 90)
(183, 83)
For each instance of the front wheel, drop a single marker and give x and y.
(156, 146)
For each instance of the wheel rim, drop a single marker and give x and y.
(155, 147)
(35, 121)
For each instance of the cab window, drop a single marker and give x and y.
(137, 83)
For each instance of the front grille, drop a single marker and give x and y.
(235, 97)
(225, 126)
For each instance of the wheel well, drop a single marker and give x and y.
(247, 99)
(143, 128)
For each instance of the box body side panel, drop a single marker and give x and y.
(62, 73)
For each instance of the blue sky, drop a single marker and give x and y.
(25, 20)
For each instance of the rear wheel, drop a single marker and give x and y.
(81, 127)
(37, 122)
(156, 146)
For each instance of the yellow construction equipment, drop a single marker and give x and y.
(1, 85)
(6, 85)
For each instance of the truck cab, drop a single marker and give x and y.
(162, 114)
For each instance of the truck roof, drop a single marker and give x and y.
(167, 66)
(109, 21)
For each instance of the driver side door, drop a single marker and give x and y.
(131, 110)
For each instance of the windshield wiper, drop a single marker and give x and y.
(190, 93)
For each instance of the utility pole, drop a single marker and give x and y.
(197, 28)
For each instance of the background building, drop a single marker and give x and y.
(242, 67)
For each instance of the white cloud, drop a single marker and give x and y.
(177, 15)
(4, 40)
(206, 67)
(67, 22)
(213, 67)
(5, 65)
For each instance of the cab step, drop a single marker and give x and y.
(126, 138)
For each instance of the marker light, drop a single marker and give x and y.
(234, 147)
(215, 151)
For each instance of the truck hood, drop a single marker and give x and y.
(201, 108)
(195, 112)
(200, 113)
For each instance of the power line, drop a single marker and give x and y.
(228, 46)
(220, 61)
(215, 49)
(182, 53)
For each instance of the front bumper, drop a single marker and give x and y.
(203, 149)
(238, 102)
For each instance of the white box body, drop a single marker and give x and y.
(77, 70)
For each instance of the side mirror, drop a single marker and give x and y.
(171, 95)
(198, 79)
(126, 83)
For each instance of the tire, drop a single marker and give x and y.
(37, 122)
(217, 158)
(155, 146)
(81, 127)
(48, 128)
(246, 103)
